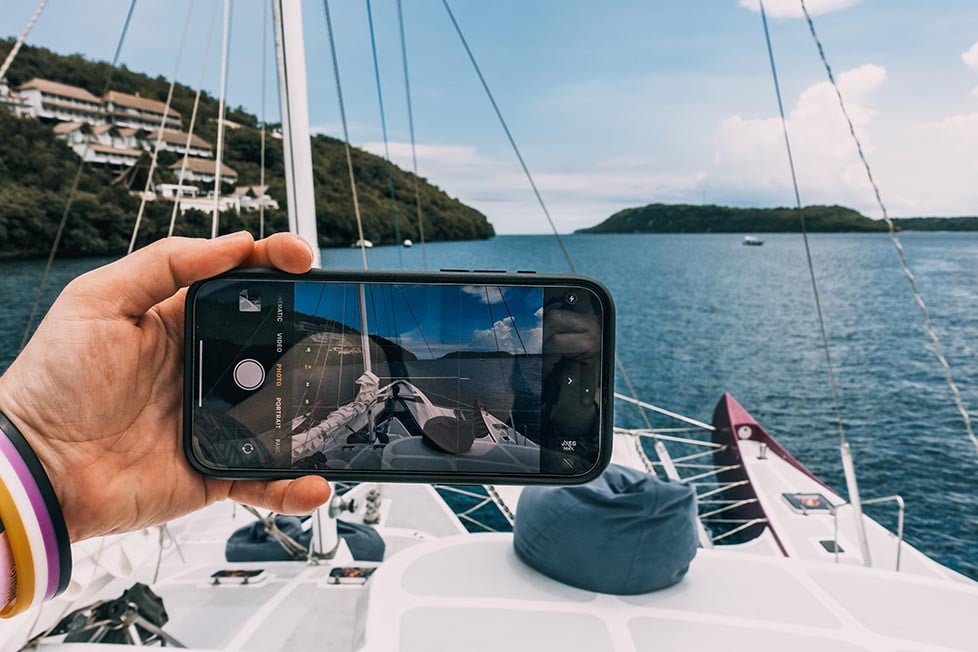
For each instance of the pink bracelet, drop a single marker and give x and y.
(34, 536)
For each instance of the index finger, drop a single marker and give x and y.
(284, 251)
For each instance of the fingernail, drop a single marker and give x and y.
(237, 235)
(308, 246)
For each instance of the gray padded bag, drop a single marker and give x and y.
(625, 533)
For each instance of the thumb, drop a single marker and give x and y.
(134, 284)
(299, 496)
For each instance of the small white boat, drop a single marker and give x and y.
(407, 242)
(751, 241)
(362, 243)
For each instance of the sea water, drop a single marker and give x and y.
(699, 315)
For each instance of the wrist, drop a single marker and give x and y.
(32, 521)
(26, 419)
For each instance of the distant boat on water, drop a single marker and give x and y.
(751, 241)
(407, 242)
(362, 243)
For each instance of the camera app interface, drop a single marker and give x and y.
(399, 377)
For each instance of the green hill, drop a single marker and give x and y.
(690, 218)
(36, 173)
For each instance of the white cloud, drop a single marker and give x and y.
(503, 336)
(498, 188)
(922, 169)
(750, 160)
(484, 293)
(792, 8)
(970, 56)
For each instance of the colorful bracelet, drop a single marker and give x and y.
(33, 522)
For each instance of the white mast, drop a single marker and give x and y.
(291, 56)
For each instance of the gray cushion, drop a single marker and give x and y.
(625, 533)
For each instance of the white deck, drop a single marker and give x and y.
(801, 532)
(473, 593)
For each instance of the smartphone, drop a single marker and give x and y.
(450, 377)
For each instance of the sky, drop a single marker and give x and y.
(614, 104)
(430, 321)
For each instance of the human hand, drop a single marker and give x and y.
(97, 391)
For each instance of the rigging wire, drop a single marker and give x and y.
(383, 126)
(512, 318)
(221, 108)
(928, 325)
(159, 136)
(414, 153)
(20, 39)
(346, 132)
(414, 316)
(804, 229)
(75, 182)
(533, 185)
(261, 164)
(193, 119)
(509, 136)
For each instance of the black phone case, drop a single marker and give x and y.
(606, 419)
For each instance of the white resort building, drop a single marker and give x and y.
(118, 130)
(134, 111)
(252, 198)
(202, 170)
(175, 141)
(50, 100)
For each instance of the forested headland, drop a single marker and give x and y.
(37, 172)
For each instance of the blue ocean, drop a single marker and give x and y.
(699, 315)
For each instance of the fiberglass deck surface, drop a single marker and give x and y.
(434, 596)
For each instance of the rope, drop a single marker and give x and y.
(509, 135)
(383, 126)
(414, 154)
(20, 39)
(159, 136)
(346, 132)
(264, 71)
(501, 504)
(935, 340)
(193, 119)
(804, 230)
(74, 184)
(219, 159)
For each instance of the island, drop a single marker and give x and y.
(694, 218)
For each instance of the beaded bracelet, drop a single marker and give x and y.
(33, 524)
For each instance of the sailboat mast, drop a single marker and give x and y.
(291, 57)
(365, 344)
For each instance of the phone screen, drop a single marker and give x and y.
(408, 378)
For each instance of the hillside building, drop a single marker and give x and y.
(127, 110)
(175, 141)
(54, 101)
(252, 198)
(13, 101)
(202, 170)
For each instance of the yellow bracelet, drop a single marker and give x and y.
(20, 550)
